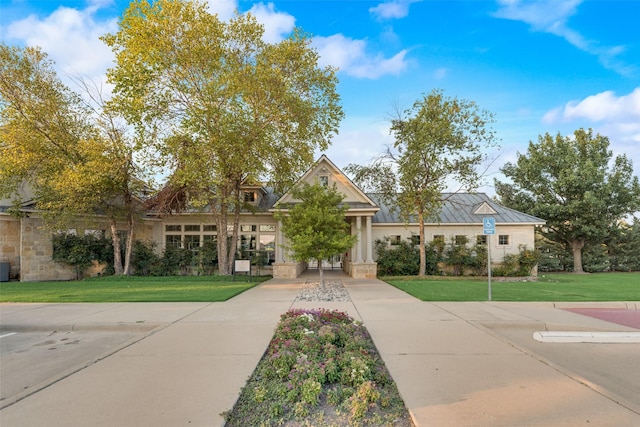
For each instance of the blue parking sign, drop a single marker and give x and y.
(489, 225)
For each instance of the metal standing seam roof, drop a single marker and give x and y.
(459, 208)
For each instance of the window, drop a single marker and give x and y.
(192, 242)
(395, 240)
(209, 238)
(247, 242)
(268, 244)
(173, 227)
(415, 239)
(98, 234)
(173, 241)
(250, 196)
(461, 239)
(247, 227)
(192, 228)
(481, 239)
(267, 227)
(438, 238)
(324, 180)
(503, 239)
(209, 228)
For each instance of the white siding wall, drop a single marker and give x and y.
(518, 235)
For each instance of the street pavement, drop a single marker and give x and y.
(172, 364)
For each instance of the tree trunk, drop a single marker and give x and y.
(129, 246)
(221, 224)
(423, 254)
(234, 238)
(115, 240)
(576, 248)
(321, 275)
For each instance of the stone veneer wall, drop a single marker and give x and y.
(287, 270)
(364, 270)
(37, 249)
(10, 243)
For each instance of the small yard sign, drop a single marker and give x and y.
(243, 266)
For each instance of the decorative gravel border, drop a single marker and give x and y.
(334, 291)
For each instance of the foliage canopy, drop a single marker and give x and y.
(573, 184)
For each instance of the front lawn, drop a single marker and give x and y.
(549, 287)
(129, 289)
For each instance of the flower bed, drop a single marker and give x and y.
(320, 369)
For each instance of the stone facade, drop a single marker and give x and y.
(363, 270)
(10, 244)
(288, 270)
(36, 252)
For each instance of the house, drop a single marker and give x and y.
(27, 247)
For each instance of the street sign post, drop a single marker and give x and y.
(489, 228)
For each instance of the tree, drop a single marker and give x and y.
(72, 152)
(438, 140)
(572, 184)
(315, 227)
(224, 106)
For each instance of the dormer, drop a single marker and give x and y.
(484, 209)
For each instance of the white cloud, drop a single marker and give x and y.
(616, 117)
(604, 106)
(551, 16)
(225, 9)
(277, 25)
(394, 9)
(71, 39)
(351, 58)
(361, 139)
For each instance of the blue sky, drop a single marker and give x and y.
(539, 66)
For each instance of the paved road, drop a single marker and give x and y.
(33, 360)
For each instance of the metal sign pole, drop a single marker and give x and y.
(489, 228)
(489, 263)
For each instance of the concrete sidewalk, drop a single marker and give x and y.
(455, 364)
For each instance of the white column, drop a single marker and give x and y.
(359, 243)
(369, 240)
(279, 243)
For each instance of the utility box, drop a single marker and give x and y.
(5, 267)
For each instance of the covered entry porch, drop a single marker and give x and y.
(358, 262)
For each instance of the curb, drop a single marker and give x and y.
(587, 337)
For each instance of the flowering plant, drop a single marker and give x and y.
(321, 365)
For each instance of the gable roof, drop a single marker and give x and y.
(355, 198)
(462, 208)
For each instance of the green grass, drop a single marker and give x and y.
(129, 289)
(549, 287)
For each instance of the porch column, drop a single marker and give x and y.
(369, 240)
(359, 234)
(279, 243)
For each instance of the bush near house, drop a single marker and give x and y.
(453, 259)
(82, 252)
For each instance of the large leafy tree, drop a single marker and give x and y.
(223, 105)
(70, 151)
(438, 141)
(575, 185)
(315, 227)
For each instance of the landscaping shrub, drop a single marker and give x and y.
(404, 259)
(81, 252)
(144, 258)
(321, 367)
